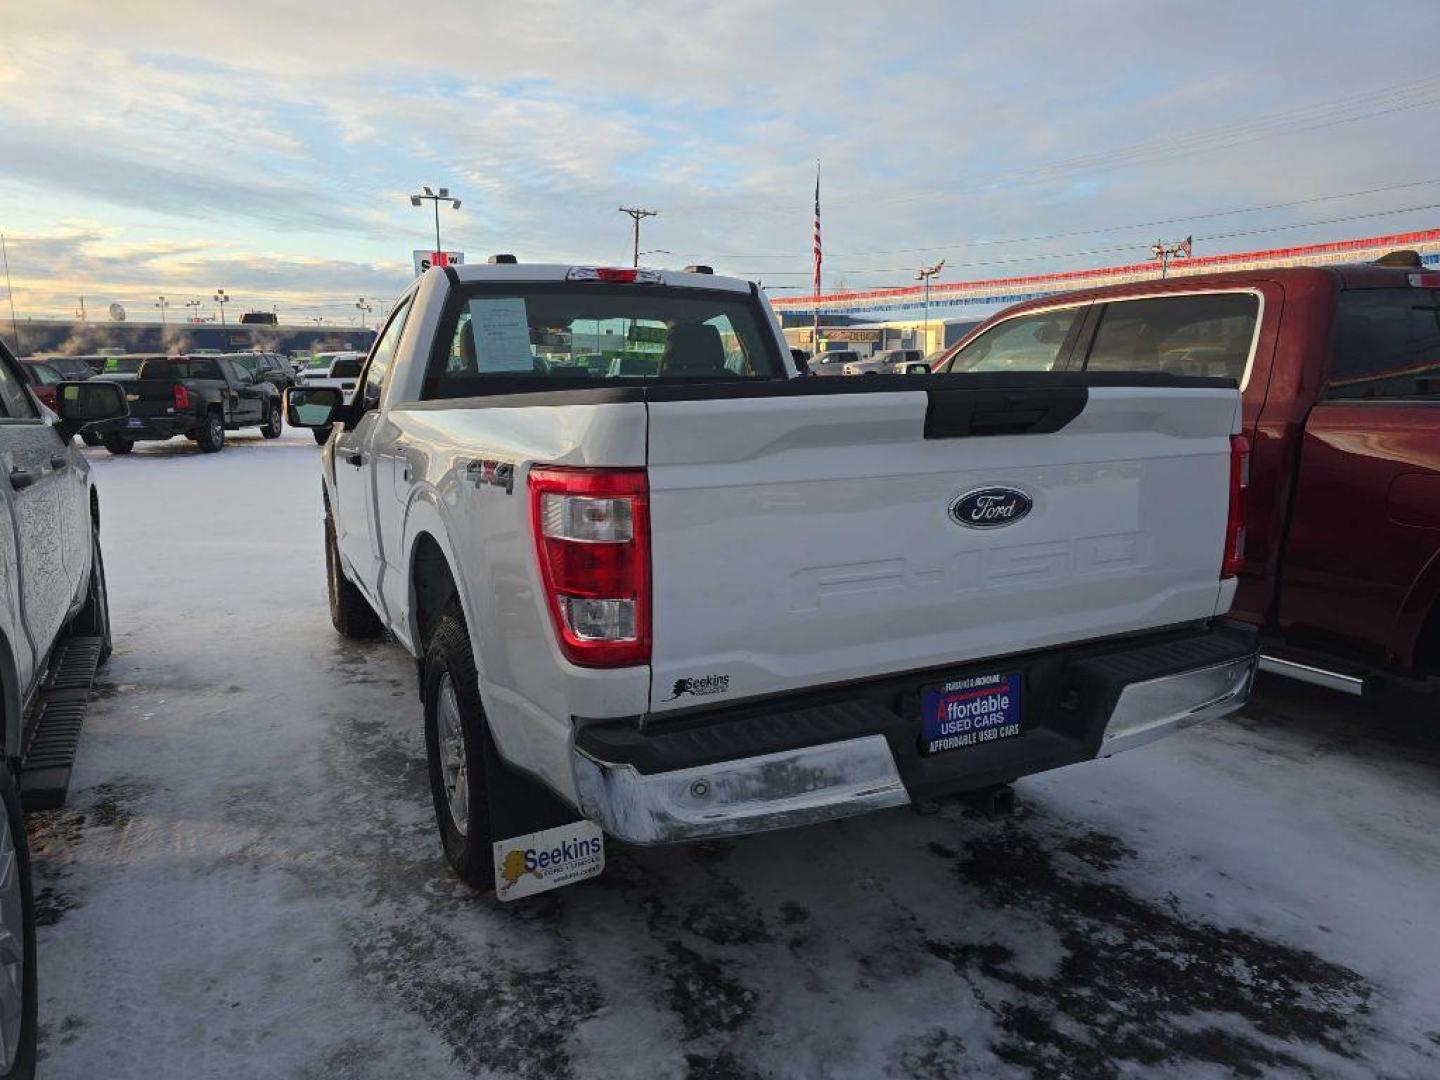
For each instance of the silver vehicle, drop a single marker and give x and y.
(833, 362)
(889, 362)
(54, 633)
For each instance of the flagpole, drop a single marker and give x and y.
(815, 305)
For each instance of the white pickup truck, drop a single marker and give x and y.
(710, 596)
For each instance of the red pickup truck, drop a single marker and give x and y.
(1339, 369)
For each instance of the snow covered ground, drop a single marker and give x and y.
(247, 881)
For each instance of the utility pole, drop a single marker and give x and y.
(162, 304)
(81, 312)
(222, 300)
(436, 197)
(636, 214)
(925, 273)
(1163, 252)
(10, 292)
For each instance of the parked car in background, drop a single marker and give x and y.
(338, 369)
(266, 367)
(200, 397)
(1023, 573)
(125, 368)
(884, 363)
(42, 378)
(54, 633)
(74, 367)
(1340, 375)
(832, 362)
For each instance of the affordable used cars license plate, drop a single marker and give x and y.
(969, 711)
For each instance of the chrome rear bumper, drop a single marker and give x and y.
(842, 778)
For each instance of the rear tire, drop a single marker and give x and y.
(118, 444)
(274, 423)
(211, 435)
(17, 939)
(457, 743)
(94, 617)
(350, 613)
(322, 434)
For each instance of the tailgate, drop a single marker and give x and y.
(807, 538)
(151, 397)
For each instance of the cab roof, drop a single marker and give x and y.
(475, 273)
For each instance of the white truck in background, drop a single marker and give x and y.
(722, 598)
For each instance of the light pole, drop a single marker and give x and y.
(222, 300)
(925, 273)
(636, 214)
(1163, 252)
(193, 304)
(435, 197)
(364, 310)
(162, 304)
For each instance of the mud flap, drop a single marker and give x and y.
(539, 842)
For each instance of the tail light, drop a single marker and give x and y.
(1234, 557)
(592, 539)
(612, 275)
(182, 396)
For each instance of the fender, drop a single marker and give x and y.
(423, 515)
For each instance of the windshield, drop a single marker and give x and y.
(347, 368)
(321, 360)
(598, 333)
(123, 365)
(45, 375)
(180, 369)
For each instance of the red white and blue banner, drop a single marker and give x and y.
(1001, 292)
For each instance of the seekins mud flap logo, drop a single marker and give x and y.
(541, 861)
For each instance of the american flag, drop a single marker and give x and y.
(815, 330)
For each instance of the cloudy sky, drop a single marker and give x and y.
(269, 148)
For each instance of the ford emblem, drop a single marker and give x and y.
(990, 507)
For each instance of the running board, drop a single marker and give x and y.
(1315, 676)
(59, 715)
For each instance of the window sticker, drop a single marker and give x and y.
(502, 334)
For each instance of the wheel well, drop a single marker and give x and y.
(434, 587)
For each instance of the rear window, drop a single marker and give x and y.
(1200, 334)
(348, 368)
(321, 360)
(598, 334)
(180, 369)
(1387, 344)
(122, 365)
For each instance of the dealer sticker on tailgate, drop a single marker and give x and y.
(540, 861)
(969, 711)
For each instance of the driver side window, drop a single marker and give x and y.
(1024, 343)
(382, 354)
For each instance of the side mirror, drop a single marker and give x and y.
(313, 406)
(917, 368)
(802, 360)
(81, 404)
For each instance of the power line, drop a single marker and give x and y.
(952, 245)
(1114, 249)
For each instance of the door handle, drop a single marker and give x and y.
(357, 459)
(22, 478)
(59, 461)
